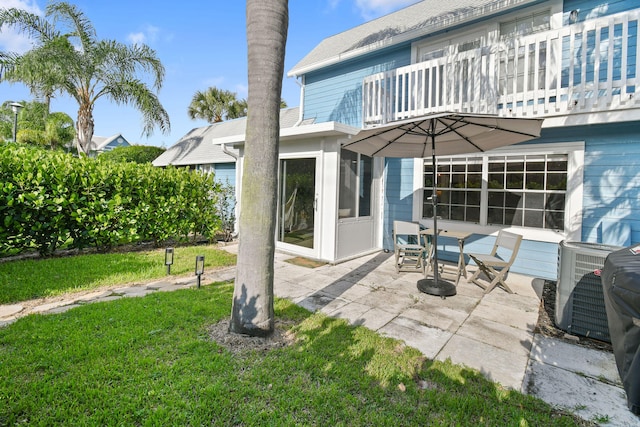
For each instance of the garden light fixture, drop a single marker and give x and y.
(199, 267)
(16, 109)
(168, 259)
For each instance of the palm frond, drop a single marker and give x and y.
(79, 25)
(38, 29)
(136, 93)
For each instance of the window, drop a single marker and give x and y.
(526, 24)
(459, 189)
(355, 185)
(525, 190)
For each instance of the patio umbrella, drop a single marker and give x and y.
(448, 134)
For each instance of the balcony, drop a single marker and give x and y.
(588, 67)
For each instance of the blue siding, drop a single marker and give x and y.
(611, 196)
(398, 196)
(611, 180)
(535, 259)
(225, 172)
(612, 186)
(591, 9)
(335, 94)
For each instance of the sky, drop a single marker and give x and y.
(200, 44)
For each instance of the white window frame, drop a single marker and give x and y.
(449, 44)
(359, 181)
(573, 198)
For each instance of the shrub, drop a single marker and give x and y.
(134, 153)
(49, 199)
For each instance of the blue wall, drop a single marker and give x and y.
(398, 196)
(591, 9)
(611, 196)
(225, 172)
(335, 93)
(611, 180)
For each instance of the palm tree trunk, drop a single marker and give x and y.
(252, 311)
(84, 128)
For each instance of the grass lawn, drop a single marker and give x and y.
(38, 278)
(151, 361)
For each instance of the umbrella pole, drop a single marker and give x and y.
(436, 286)
(434, 200)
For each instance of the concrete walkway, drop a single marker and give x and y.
(492, 333)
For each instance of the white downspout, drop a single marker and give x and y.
(301, 113)
(225, 150)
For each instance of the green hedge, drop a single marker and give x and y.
(49, 199)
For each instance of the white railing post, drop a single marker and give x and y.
(552, 73)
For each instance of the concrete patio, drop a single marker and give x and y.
(492, 333)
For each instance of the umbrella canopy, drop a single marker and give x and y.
(447, 134)
(444, 134)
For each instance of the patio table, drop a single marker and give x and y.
(460, 236)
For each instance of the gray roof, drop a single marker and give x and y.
(417, 20)
(98, 143)
(199, 147)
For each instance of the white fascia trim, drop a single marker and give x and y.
(326, 127)
(298, 131)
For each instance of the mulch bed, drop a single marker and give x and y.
(546, 324)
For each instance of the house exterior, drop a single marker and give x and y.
(195, 151)
(572, 62)
(100, 144)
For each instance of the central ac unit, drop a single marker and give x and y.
(580, 306)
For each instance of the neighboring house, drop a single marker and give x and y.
(196, 151)
(572, 62)
(100, 144)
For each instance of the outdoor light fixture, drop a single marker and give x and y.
(168, 259)
(16, 109)
(199, 267)
(573, 16)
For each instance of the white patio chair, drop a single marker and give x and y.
(496, 264)
(407, 244)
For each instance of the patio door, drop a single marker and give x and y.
(297, 202)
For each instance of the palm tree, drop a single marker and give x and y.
(215, 105)
(252, 311)
(80, 65)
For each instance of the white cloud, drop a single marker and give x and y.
(370, 9)
(10, 39)
(148, 35)
(137, 38)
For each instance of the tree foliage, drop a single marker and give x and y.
(36, 126)
(215, 105)
(133, 153)
(68, 58)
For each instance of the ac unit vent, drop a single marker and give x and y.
(580, 306)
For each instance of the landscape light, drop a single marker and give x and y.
(16, 109)
(199, 267)
(168, 259)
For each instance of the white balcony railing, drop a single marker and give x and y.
(586, 67)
